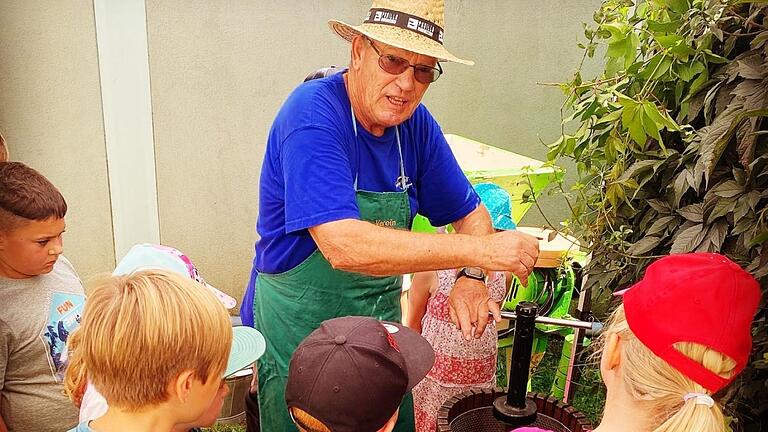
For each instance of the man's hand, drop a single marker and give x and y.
(512, 251)
(469, 304)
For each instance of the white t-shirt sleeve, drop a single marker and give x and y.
(93, 405)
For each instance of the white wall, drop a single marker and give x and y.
(218, 74)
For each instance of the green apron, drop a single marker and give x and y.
(290, 305)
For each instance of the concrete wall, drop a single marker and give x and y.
(219, 72)
(50, 113)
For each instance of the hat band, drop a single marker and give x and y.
(407, 22)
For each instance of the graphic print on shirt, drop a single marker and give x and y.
(63, 318)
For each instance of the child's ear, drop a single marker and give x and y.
(182, 385)
(611, 358)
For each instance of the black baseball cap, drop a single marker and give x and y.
(352, 373)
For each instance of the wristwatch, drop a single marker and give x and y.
(473, 273)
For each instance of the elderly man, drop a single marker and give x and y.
(350, 160)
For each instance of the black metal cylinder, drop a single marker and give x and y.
(521, 354)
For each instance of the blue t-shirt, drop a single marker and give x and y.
(313, 156)
(83, 427)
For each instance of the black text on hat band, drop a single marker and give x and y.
(405, 21)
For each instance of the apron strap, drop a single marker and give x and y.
(402, 182)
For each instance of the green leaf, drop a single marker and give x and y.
(728, 189)
(680, 187)
(644, 245)
(759, 239)
(714, 58)
(715, 138)
(662, 27)
(669, 40)
(682, 51)
(678, 6)
(654, 114)
(759, 40)
(663, 68)
(660, 206)
(618, 31)
(698, 83)
(693, 212)
(688, 239)
(686, 71)
(717, 207)
(610, 117)
(652, 129)
(717, 234)
(660, 225)
(631, 119)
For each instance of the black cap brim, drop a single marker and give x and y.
(416, 351)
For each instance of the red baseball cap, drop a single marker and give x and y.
(353, 372)
(703, 298)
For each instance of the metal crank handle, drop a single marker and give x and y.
(593, 326)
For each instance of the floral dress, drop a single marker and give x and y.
(460, 364)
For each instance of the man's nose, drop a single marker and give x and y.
(406, 80)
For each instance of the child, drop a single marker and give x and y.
(155, 344)
(247, 345)
(682, 334)
(460, 364)
(42, 300)
(351, 375)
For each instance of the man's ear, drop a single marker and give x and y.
(3, 239)
(358, 49)
(182, 386)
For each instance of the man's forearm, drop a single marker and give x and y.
(478, 222)
(362, 247)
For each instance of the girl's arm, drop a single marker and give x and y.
(422, 285)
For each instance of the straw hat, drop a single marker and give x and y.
(412, 25)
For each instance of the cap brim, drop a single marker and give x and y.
(247, 346)
(396, 37)
(416, 351)
(225, 299)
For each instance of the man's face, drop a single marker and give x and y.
(31, 249)
(387, 100)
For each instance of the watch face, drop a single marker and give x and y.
(474, 272)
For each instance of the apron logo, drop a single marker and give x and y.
(403, 182)
(389, 223)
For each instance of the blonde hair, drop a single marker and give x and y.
(650, 379)
(140, 331)
(76, 378)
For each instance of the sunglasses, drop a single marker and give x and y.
(396, 65)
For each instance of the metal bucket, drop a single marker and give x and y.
(233, 409)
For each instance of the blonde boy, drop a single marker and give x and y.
(155, 345)
(42, 300)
